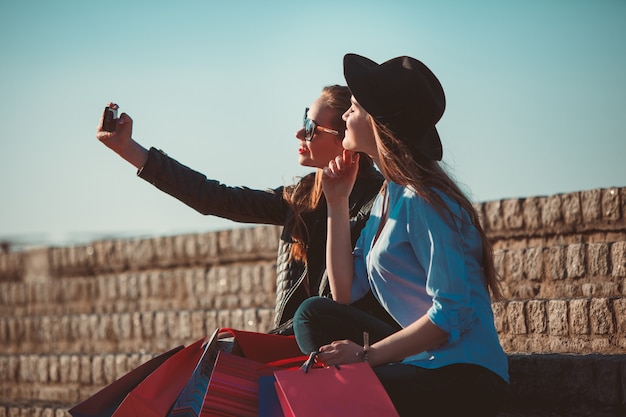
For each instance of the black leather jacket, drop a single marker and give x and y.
(294, 280)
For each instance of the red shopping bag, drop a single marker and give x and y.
(264, 347)
(190, 400)
(351, 390)
(156, 394)
(260, 347)
(234, 387)
(104, 402)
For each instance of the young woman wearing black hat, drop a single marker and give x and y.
(300, 208)
(422, 252)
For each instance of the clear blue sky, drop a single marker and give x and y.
(535, 90)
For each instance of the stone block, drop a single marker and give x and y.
(571, 208)
(184, 325)
(537, 318)
(618, 259)
(86, 369)
(611, 202)
(513, 214)
(516, 317)
(533, 264)
(551, 211)
(500, 317)
(557, 318)
(532, 213)
(556, 263)
(601, 317)
(53, 369)
(575, 261)
(619, 309)
(591, 202)
(97, 370)
(598, 259)
(579, 316)
(108, 368)
(493, 215)
(514, 265)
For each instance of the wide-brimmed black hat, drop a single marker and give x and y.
(404, 95)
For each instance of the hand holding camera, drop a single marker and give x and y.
(116, 133)
(109, 119)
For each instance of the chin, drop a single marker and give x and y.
(306, 162)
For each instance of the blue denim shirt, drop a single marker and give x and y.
(427, 262)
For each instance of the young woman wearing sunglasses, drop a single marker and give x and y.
(422, 252)
(300, 208)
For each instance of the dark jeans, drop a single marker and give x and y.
(454, 390)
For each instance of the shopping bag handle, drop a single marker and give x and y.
(308, 364)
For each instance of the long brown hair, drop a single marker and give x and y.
(409, 168)
(306, 195)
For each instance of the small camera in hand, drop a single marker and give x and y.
(110, 119)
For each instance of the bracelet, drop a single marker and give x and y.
(366, 346)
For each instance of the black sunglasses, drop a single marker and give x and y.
(310, 127)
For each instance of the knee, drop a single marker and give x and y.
(309, 308)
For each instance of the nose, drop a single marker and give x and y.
(300, 134)
(344, 116)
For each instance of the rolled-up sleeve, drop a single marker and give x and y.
(446, 276)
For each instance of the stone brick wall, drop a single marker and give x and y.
(73, 319)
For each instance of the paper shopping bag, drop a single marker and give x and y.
(233, 389)
(351, 390)
(264, 347)
(190, 400)
(156, 394)
(104, 402)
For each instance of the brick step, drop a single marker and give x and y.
(570, 271)
(64, 379)
(581, 325)
(219, 287)
(563, 271)
(578, 217)
(122, 332)
(125, 255)
(541, 385)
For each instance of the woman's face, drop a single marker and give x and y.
(323, 146)
(359, 135)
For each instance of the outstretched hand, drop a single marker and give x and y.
(121, 141)
(121, 137)
(339, 176)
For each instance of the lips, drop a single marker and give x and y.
(303, 150)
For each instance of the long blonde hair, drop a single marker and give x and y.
(306, 195)
(409, 168)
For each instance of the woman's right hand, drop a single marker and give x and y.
(121, 137)
(121, 141)
(339, 176)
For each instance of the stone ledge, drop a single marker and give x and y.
(586, 325)
(242, 285)
(563, 271)
(559, 214)
(567, 381)
(126, 332)
(123, 255)
(571, 271)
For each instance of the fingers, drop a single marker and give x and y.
(124, 119)
(336, 167)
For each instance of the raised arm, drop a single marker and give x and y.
(338, 180)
